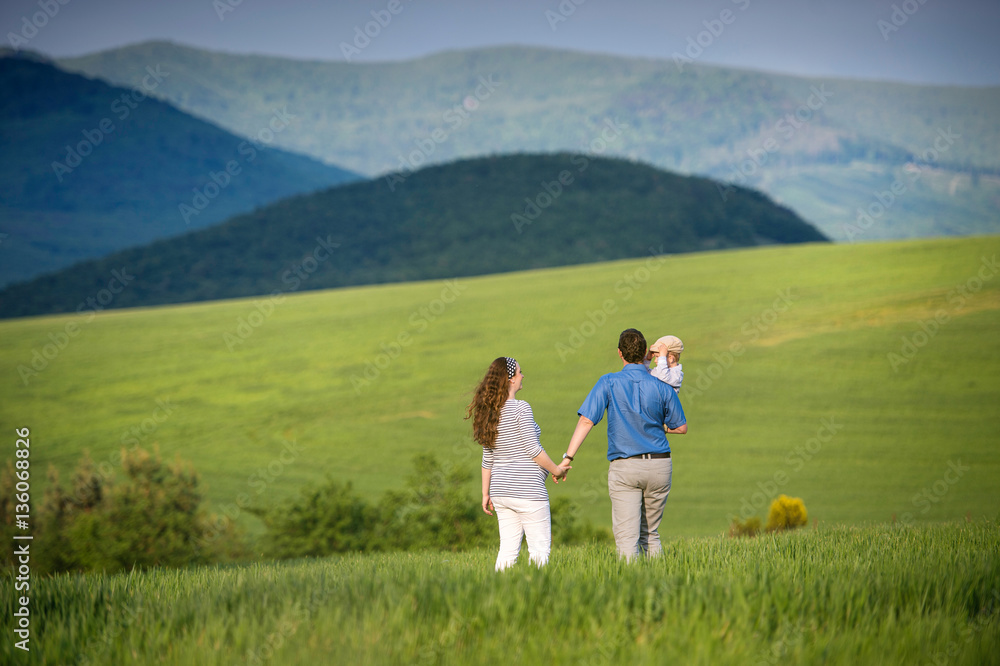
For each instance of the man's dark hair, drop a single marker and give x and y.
(632, 345)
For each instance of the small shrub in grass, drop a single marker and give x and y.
(323, 519)
(786, 513)
(152, 517)
(747, 528)
(568, 528)
(433, 510)
(8, 503)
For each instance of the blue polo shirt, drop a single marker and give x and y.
(638, 406)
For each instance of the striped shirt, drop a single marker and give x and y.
(513, 472)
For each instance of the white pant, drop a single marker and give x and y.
(521, 517)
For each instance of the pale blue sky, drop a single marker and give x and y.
(954, 42)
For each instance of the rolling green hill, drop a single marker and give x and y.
(472, 217)
(87, 168)
(825, 147)
(862, 378)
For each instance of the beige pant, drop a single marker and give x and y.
(638, 489)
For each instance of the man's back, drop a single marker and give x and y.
(638, 406)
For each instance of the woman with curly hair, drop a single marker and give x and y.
(514, 464)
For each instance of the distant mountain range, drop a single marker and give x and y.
(862, 160)
(471, 217)
(87, 168)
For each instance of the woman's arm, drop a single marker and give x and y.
(487, 503)
(543, 461)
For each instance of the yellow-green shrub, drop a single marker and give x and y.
(786, 513)
(748, 528)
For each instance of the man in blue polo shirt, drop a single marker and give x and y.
(641, 411)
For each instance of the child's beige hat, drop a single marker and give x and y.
(670, 343)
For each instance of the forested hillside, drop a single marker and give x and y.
(87, 168)
(472, 217)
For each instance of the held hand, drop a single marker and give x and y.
(564, 468)
(487, 504)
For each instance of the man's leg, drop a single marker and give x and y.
(626, 505)
(643, 530)
(657, 480)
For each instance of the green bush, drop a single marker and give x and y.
(152, 517)
(433, 511)
(324, 519)
(748, 528)
(568, 528)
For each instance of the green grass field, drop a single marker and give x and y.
(863, 379)
(873, 595)
(789, 386)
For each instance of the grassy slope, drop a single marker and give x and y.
(825, 357)
(877, 595)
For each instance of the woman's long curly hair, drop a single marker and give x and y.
(487, 402)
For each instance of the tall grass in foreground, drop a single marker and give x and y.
(885, 595)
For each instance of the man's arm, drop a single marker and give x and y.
(679, 430)
(583, 427)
